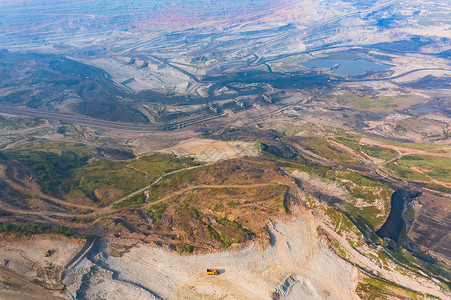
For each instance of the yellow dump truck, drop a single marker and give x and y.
(212, 271)
(47, 253)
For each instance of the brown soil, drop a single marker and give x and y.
(430, 229)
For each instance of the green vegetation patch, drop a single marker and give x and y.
(232, 232)
(323, 148)
(438, 168)
(17, 123)
(340, 223)
(51, 161)
(157, 164)
(62, 167)
(172, 183)
(417, 167)
(439, 187)
(57, 147)
(418, 146)
(379, 152)
(137, 199)
(364, 226)
(221, 230)
(156, 211)
(406, 172)
(378, 103)
(348, 139)
(371, 292)
(390, 288)
(371, 199)
(311, 168)
(291, 128)
(30, 229)
(105, 180)
(26, 97)
(184, 248)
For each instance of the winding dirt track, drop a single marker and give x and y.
(156, 181)
(108, 210)
(406, 150)
(94, 212)
(35, 189)
(378, 167)
(229, 186)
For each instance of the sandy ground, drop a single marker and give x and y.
(214, 150)
(26, 256)
(15, 287)
(299, 265)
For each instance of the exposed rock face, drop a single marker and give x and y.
(299, 264)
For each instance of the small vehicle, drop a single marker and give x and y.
(212, 271)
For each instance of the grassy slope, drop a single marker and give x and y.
(422, 167)
(62, 168)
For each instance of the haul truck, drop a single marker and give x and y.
(212, 271)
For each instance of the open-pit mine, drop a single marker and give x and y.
(253, 149)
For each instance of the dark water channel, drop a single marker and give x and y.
(395, 223)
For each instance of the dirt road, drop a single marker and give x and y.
(406, 150)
